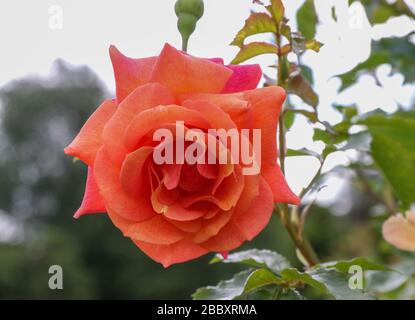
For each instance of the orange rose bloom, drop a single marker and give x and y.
(178, 212)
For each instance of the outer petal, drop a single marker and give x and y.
(89, 139)
(244, 224)
(92, 201)
(244, 77)
(279, 186)
(266, 104)
(167, 255)
(186, 74)
(129, 73)
(400, 232)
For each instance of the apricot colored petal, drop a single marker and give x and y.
(179, 213)
(182, 73)
(142, 98)
(244, 77)
(89, 139)
(265, 105)
(172, 175)
(217, 118)
(279, 186)
(107, 176)
(92, 201)
(187, 226)
(233, 104)
(155, 230)
(230, 190)
(151, 119)
(211, 227)
(167, 255)
(133, 175)
(399, 232)
(245, 224)
(129, 73)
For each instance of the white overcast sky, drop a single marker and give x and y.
(140, 28)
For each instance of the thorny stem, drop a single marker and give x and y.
(291, 222)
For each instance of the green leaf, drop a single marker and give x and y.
(328, 282)
(302, 152)
(289, 118)
(348, 112)
(256, 258)
(299, 86)
(384, 281)
(261, 278)
(310, 115)
(225, 290)
(313, 45)
(337, 285)
(393, 149)
(344, 265)
(277, 10)
(295, 278)
(241, 284)
(379, 11)
(329, 137)
(307, 73)
(307, 19)
(254, 49)
(256, 23)
(334, 13)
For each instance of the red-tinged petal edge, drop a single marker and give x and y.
(244, 77)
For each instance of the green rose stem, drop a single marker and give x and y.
(291, 221)
(188, 13)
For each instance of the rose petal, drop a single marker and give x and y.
(244, 224)
(185, 74)
(142, 98)
(107, 176)
(279, 186)
(133, 173)
(192, 226)
(179, 213)
(89, 139)
(155, 230)
(244, 77)
(92, 201)
(129, 73)
(167, 255)
(172, 174)
(212, 227)
(151, 119)
(399, 232)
